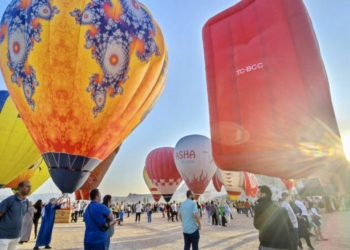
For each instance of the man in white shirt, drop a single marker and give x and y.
(304, 214)
(293, 218)
(138, 211)
(174, 209)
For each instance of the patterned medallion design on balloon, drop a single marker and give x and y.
(22, 35)
(110, 45)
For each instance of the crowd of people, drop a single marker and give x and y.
(281, 223)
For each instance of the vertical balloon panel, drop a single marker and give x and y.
(270, 107)
(93, 70)
(18, 151)
(154, 191)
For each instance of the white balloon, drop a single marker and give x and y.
(194, 161)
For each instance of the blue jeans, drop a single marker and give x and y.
(149, 215)
(208, 213)
(191, 239)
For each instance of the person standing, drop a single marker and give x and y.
(207, 208)
(298, 201)
(107, 201)
(12, 211)
(272, 221)
(293, 218)
(116, 211)
(302, 226)
(138, 209)
(27, 223)
(76, 212)
(149, 212)
(222, 214)
(317, 220)
(190, 220)
(174, 209)
(46, 228)
(96, 214)
(73, 215)
(248, 208)
(36, 217)
(213, 214)
(227, 212)
(161, 207)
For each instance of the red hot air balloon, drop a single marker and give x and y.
(96, 177)
(216, 181)
(289, 184)
(160, 166)
(194, 161)
(269, 101)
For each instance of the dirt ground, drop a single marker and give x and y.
(161, 234)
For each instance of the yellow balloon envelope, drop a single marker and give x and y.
(18, 151)
(83, 75)
(37, 175)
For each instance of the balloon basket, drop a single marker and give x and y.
(63, 216)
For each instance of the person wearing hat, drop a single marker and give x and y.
(286, 199)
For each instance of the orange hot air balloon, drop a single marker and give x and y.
(96, 177)
(154, 191)
(38, 174)
(83, 75)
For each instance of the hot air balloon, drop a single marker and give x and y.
(18, 151)
(83, 75)
(269, 101)
(194, 162)
(155, 193)
(38, 174)
(289, 184)
(96, 177)
(250, 184)
(216, 181)
(233, 182)
(161, 169)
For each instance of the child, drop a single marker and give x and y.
(121, 217)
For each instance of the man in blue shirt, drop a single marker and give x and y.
(191, 224)
(12, 210)
(96, 214)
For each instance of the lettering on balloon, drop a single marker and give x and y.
(250, 68)
(185, 155)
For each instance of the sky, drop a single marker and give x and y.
(183, 107)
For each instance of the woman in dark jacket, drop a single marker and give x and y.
(37, 216)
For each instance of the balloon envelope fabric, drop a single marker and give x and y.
(83, 74)
(270, 106)
(18, 151)
(37, 175)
